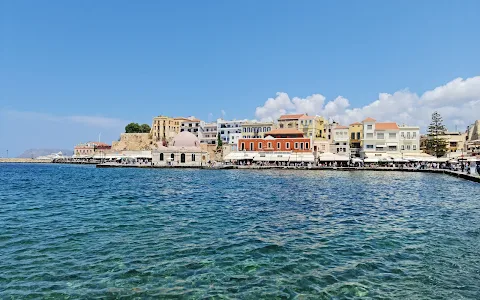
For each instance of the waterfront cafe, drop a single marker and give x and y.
(281, 157)
(332, 157)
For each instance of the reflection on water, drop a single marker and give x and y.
(83, 232)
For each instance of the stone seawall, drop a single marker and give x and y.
(25, 160)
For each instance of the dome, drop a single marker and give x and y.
(186, 139)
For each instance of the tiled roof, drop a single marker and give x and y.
(305, 117)
(356, 123)
(369, 120)
(386, 126)
(288, 117)
(284, 131)
(340, 127)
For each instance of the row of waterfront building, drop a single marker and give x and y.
(310, 138)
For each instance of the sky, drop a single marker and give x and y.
(73, 70)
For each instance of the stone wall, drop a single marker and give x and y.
(24, 160)
(134, 141)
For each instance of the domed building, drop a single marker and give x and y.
(184, 151)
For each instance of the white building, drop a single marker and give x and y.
(340, 140)
(409, 139)
(208, 133)
(380, 139)
(230, 131)
(184, 151)
(191, 124)
(387, 139)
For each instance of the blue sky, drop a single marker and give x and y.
(70, 70)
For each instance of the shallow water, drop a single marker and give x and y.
(80, 232)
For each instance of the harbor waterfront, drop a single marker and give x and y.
(82, 232)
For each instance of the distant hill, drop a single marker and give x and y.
(41, 152)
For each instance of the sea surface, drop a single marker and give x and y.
(77, 232)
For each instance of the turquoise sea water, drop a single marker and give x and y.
(80, 232)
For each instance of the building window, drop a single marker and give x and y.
(243, 146)
(369, 127)
(306, 146)
(369, 146)
(408, 147)
(269, 145)
(414, 147)
(369, 135)
(414, 135)
(403, 147)
(161, 156)
(353, 136)
(402, 134)
(408, 135)
(182, 157)
(172, 156)
(301, 146)
(259, 145)
(380, 135)
(193, 157)
(392, 135)
(287, 145)
(251, 146)
(296, 146)
(278, 145)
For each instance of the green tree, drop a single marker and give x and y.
(436, 145)
(219, 141)
(132, 128)
(145, 128)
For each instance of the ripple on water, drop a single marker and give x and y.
(99, 233)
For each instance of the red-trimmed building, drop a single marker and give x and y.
(283, 139)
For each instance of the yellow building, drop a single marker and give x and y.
(166, 128)
(256, 129)
(355, 133)
(455, 140)
(289, 121)
(312, 127)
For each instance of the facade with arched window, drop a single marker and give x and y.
(184, 151)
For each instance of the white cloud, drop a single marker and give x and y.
(91, 121)
(223, 113)
(458, 102)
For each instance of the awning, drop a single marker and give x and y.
(302, 157)
(400, 160)
(392, 144)
(271, 157)
(240, 155)
(381, 146)
(371, 160)
(332, 157)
